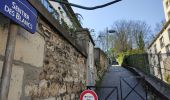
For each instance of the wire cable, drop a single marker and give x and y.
(87, 8)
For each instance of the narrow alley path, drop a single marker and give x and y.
(112, 79)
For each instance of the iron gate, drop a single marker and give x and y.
(137, 82)
(110, 92)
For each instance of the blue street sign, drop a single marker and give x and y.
(21, 12)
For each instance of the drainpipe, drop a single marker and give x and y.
(8, 61)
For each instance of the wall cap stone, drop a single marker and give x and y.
(88, 32)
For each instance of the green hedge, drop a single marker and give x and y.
(139, 61)
(120, 56)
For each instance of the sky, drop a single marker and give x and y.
(150, 11)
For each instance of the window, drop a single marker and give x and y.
(168, 50)
(154, 62)
(162, 42)
(150, 52)
(167, 4)
(168, 14)
(160, 56)
(169, 33)
(155, 49)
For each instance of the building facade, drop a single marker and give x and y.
(159, 48)
(166, 5)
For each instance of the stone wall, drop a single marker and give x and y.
(46, 66)
(96, 78)
(84, 39)
(101, 62)
(63, 74)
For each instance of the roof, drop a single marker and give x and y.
(157, 36)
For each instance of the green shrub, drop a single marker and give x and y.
(121, 56)
(167, 78)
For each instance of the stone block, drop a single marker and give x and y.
(58, 98)
(15, 89)
(1, 66)
(69, 88)
(4, 23)
(32, 90)
(72, 96)
(54, 89)
(76, 80)
(29, 48)
(42, 75)
(66, 97)
(76, 88)
(52, 98)
(68, 79)
(62, 89)
(43, 84)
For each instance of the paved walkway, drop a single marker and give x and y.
(112, 79)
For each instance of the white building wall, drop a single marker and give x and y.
(62, 13)
(166, 9)
(154, 58)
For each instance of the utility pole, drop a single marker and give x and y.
(8, 61)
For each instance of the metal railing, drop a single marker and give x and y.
(157, 65)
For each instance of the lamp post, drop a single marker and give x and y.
(107, 39)
(107, 32)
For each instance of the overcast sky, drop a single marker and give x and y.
(150, 11)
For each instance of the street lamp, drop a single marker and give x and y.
(107, 40)
(107, 34)
(109, 31)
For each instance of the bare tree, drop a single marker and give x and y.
(122, 37)
(141, 31)
(130, 34)
(159, 26)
